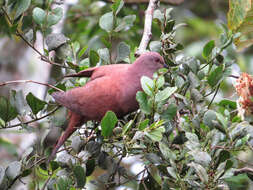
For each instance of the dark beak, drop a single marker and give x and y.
(166, 66)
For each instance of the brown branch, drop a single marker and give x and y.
(243, 170)
(47, 181)
(30, 81)
(147, 34)
(31, 121)
(217, 89)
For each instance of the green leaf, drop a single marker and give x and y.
(156, 134)
(127, 127)
(64, 183)
(39, 15)
(55, 41)
(125, 23)
(7, 111)
(201, 172)
(106, 42)
(172, 172)
(201, 157)
(82, 51)
(54, 165)
(108, 123)
(228, 103)
(192, 137)
(60, 86)
(208, 48)
(117, 6)
(222, 120)
(169, 26)
(80, 176)
(17, 100)
(13, 170)
(54, 16)
(76, 46)
(93, 58)
(165, 94)
(160, 81)
(159, 16)
(209, 116)
(143, 124)
(104, 54)
(167, 153)
(216, 76)
(35, 103)
(196, 96)
(142, 99)
(90, 167)
(22, 6)
(147, 85)
(240, 21)
(26, 172)
(123, 52)
(106, 22)
(170, 112)
(155, 46)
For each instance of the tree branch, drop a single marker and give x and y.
(30, 81)
(31, 121)
(243, 170)
(147, 34)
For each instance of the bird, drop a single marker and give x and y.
(110, 88)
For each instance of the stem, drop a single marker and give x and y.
(147, 34)
(45, 184)
(30, 81)
(217, 89)
(31, 121)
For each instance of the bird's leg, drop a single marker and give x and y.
(75, 121)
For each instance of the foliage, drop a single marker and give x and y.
(239, 21)
(184, 139)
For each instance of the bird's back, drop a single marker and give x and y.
(107, 90)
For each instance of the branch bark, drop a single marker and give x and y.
(243, 170)
(30, 81)
(147, 34)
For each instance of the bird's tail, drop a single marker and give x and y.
(75, 121)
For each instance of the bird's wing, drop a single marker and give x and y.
(91, 100)
(96, 96)
(84, 73)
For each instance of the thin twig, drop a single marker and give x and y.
(45, 184)
(31, 121)
(243, 170)
(214, 96)
(234, 76)
(42, 57)
(147, 34)
(30, 81)
(209, 93)
(133, 177)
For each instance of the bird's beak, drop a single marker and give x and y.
(166, 66)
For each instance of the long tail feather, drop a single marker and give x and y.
(75, 122)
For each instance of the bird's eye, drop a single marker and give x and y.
(157, 60)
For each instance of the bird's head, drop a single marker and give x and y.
(152, 61)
